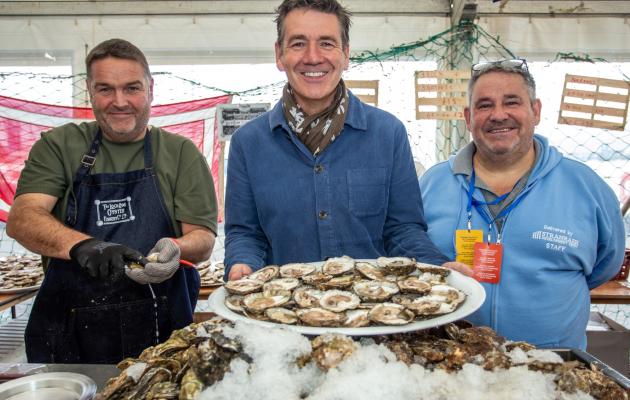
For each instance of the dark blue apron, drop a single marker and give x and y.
(80, 319)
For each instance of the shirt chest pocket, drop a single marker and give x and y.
(367, 191)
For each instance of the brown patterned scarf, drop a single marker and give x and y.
(319, 130)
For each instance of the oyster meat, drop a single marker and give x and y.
(296, 270)
(281, 283)
(375, 290)
(243, 286)
(281, 315)
(265, 274)
(259, 302)
(338, 265)
(412, 284)
(307, 297)
(320, 317)
(339, 300)
(390, 314)
(357, 318)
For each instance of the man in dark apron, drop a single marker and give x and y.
(119, 201)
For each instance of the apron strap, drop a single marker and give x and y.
(148, 153)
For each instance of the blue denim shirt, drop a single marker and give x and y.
(359, 197)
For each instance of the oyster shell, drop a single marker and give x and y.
(357, 318)
(339, 282)
(307, 297)
(243, 286)
(150, 377)
(329, 350)
(191, 385)
(316, 278)
(433, 269)
(259, 302)
(281, 315)
(412, 284)
(281, 283)
(339, 300)
(375, 290)
(424, 306)
(370, 271)
(296, 270)
(234, 303)
(390, 314)
(338, 265)
(163, 391)
(396, 265)
(431, 305)
(320, 317)
(432, 273)
(451, 294)
(265, 274)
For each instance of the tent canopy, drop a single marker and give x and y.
(212, 32)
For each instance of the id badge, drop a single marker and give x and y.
(465, 244)
(487, 262)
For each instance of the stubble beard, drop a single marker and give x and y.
(140, 125)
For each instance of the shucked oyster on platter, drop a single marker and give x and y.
(342, 293)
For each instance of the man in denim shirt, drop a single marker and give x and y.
(322, 174)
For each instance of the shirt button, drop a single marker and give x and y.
(319, 168)
(323, 214)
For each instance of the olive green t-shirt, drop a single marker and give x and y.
(182, 171)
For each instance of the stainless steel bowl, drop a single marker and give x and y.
(49, 386)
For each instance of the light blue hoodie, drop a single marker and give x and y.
(564, 238)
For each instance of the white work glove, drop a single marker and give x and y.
(157, 271)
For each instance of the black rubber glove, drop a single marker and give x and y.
(104, 260)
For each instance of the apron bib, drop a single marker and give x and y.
(80, 319)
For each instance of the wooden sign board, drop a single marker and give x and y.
(594, 102)
(230, 117)
(367, 91)
(441, 94)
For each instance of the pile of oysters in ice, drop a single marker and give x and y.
(206, 356)
(345, 293)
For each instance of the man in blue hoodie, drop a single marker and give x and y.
(541, 230)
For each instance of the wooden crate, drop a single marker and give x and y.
(445, 91)
(594, 100)
(367, 91)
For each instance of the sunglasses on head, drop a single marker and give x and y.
(486, 65)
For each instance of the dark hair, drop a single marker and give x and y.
(325, 6)
(117, 48)
(503, 66)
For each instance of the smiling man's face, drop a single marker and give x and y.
(313, 57)
(501, 116)
(121, 96)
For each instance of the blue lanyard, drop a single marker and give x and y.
(479, 207)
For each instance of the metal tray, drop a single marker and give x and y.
(50, 386)
(590, 360)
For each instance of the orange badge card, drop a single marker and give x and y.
(464, 244)
(487, 262)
